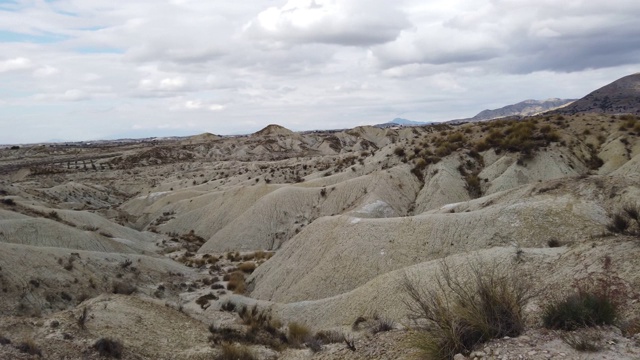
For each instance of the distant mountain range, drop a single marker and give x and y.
(401, 122)
(523, 108)
(620, 97)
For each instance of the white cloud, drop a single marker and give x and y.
(18, 63)
(198, 105)
(343, 22)
(45, 71)
(216, 107)
(175, 83)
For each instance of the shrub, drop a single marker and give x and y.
(456, 315)
(247, 267)
(203, 300)
(473, 186)
(329, 336)
(236, 283)
(382, 325)
(228, 306)
(29, 347)
(619, 224)
(221, 335)
(108, 347)
(626, 221)
(255, 317)
(582, 342)
(82, 319)
(632, 212)
(298, 333)
(235, 352)
(314, 345)
(119, 287)
(553, 243)
(258, 334)
(8, 201)
(580, 310)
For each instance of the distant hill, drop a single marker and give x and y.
(401, 122)
(620, 97)
(274, 129)
(523, 108)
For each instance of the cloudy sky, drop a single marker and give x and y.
(90, 69)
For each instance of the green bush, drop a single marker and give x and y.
(578, 310)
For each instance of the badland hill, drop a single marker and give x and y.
(306, 245)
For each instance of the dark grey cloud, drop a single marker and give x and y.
(522, 37)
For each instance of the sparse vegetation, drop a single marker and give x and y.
(587, 342)
(581, 309)
(247, 267)
(203, 300)
(456, 314)
(329, 336)
(29, 347)
(235, 352)
(108, 347)
(82, 319)
(236, 282)
(466, 308)
(473, 185)
(8, 202)
(382, 324)
(262, 329)
(228, 306)
(298, 334)
(553, 243)
(124, 288)
(626, 221)
(520, 136)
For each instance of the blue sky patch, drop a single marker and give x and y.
(47, 38)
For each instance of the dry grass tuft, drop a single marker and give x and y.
(235, 352)
(247, 267)
(29, 347)
(466, 308)
(236, 282)
(588, 341)
(298, 333)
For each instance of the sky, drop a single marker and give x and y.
(104, 69)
